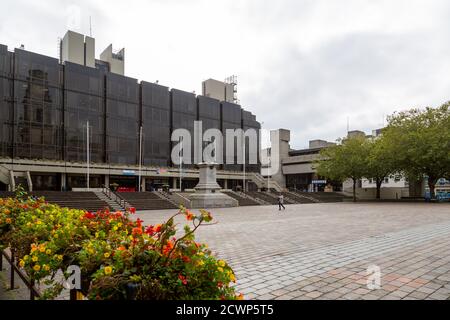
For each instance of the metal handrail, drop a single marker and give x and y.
(34, 292)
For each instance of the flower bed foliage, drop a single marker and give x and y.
(119, 257)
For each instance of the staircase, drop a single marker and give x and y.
(111, 203)
(261, 182)
(301, 198)
(165, 196)
(242, 198)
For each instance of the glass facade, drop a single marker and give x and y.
(155, 125)
(45, 107)
(209, 114)
(184, 114)
(249, 122)
(38, 112)
(83, 96)
(122, 119)
(5, 103)
(231, 119)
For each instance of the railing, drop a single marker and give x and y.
(115, 197)
(34, 292)
(15, 269)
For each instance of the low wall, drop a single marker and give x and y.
(385, 193)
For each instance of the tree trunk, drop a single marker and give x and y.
(379, 182)
(431, 185)
(354, 190)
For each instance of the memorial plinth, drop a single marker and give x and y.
(207, 192)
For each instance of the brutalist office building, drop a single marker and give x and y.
(53, 110)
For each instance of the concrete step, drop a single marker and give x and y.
(111, 203)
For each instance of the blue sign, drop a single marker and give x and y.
(319, 182)
(128, 172)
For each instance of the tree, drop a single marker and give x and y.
(380, 162)
(420, 140)
(345, 160)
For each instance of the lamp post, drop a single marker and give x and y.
(140, 159)
(87, 155)
(181, 161)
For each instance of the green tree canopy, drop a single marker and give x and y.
(420, 140)
(343, 161)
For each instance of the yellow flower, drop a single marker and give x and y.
(42, 249)
(26, 257)
(34, 259)
(115, 228)
(221, 263)
(60, 257)
(200, 263)
(201, 254)
(22, 263)
(46, 267)
(107, 254)
(233, 277)
(119, 224)
(220, 269)
(56, 236)
(48, 251)
(37, 267)
(108, 270)
(91, 251)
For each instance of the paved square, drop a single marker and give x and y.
(322, 251)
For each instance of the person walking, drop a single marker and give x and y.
(280, 202)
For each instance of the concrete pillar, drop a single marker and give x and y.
(225, 184)
(174, 183)
(279, 140)
(63, 181)
(107, 180)
(143, 184)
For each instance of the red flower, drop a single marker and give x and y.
(186, 259)
(139, 222)
(219, 284)
(183, 279)
(132, 210)
(157, 228)
(89, 215)
(150, 231)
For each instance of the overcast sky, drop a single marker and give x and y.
(303, 65)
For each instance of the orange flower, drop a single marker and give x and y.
(189, 215)
(168, 247)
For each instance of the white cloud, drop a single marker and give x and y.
(302, 65)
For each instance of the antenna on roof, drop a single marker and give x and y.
(90, 26)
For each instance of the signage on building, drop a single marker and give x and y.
(319, 182)
(160, 171)
(128, 172)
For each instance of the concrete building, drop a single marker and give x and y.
(48, 106)
(218, 90)
(116, 60)
(78, 48)
(293, 169)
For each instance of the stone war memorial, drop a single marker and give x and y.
(207, 192)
